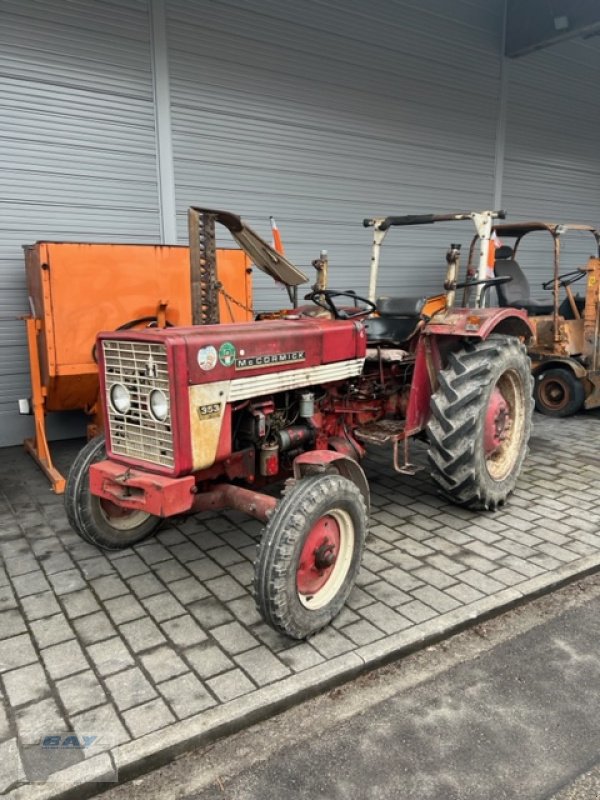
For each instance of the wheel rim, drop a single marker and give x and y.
(554, 393)
(503, 425)
(121, 519)
(325, 559)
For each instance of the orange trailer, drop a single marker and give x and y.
(77, 290)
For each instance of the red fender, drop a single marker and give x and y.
(346, 467)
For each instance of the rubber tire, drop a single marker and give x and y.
(456, 426)
(279, 550)
(572, 384)
(83, 508)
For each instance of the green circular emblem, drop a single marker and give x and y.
(227, 354)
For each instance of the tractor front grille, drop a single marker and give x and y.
(140, 367)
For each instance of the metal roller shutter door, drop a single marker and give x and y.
(326, 111)
(77, 148)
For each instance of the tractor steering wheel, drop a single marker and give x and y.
(340, 313)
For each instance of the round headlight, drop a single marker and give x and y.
(158, 405)
(120, 399)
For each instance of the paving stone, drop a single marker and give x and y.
(51, 630)
(104, 723)
(146, 585)
(483, 583)
(416, 611)
(226, 556)
(81, 692)
(163, 663)
(184, 631)
(301, 657)
(210, 613)
(124, 609)
(143, 634)
(80, 603)
(130, 565)
(37, 719)
(445, 564)
(129, 688)
(233, 638)
(464, 594)
(147, 718)
(383, 617)
(17, 651)
(171, 570)
(19, 564)
(389, 595)
(163, 606)
(205, 569)
(262, 666)
(11, 623)
(109, 586)
(434, 577)
(31, 583)
(186, 695)
(188, 590)
(402, 560)
(362, 632)
(64, 659)
(244, 609)
(230, 685)
(153, 553)
(358, 598)
(243, 572)
(507, 576)
(330, 643)
(11, 766)
(37, 606)
(25, 684)
(96, 568)
(207, 660)
(110, 656)
(186, 551)
(437, 599)
(94, 628)
(225, 588)
(71, 580)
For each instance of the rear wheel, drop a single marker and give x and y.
(310, 554)
(96, 520)
(558, 393)
(481, 422)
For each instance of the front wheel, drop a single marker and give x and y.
(481, 422)
(558, 393)
(96, 520)
(310, 554)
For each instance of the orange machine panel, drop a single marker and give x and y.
(77, 290)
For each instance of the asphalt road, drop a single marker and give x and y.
(508, 709)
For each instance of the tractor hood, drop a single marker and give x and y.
(262, 254)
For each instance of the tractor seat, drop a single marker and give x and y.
(397, 320)
(516, 292)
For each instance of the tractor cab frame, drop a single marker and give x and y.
(565, 348)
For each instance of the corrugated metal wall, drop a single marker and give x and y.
(326, 111)
(319, 112)
(77, 148)
(552, 162)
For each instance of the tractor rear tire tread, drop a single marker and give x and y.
(455, 429)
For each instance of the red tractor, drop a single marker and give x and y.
(216, 416)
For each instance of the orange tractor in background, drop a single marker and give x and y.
(565, 347)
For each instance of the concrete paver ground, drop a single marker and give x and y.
(150, 650)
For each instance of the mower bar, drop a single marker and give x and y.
(423, 219)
